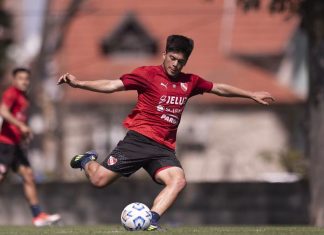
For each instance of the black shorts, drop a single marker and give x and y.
(136, 151)
(13, 156)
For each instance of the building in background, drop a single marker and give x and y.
(219, 139)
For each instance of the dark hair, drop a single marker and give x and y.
(179, 43)
(20, 69)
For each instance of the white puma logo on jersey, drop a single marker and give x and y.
(165, 85)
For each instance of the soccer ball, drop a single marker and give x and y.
(136, 216)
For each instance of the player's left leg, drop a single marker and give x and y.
(174, 180)
(21, 165)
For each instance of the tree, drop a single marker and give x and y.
(311, 13)
(53, 35)
(5, 38)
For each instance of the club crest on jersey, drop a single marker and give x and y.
(111, 161)
(184, 86)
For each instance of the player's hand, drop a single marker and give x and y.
(262, 97)
(68, 79)
(26, 132)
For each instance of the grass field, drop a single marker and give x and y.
(218, 230)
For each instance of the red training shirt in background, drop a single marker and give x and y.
(161, 101)
(18, 104)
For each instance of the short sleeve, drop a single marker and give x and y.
(136, 80)
(200, 86)
(8, 97)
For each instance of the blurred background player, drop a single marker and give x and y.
(14, 136)
(163, 92)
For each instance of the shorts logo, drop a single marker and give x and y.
(111, 161)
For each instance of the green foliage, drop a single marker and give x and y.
(291, 160)
(311, 13)
(294, 162)
(279, 6)
(267, 156)
(5, 38)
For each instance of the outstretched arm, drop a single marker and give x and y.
(104, 86)
(261, 97)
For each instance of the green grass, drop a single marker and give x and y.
(187, 230)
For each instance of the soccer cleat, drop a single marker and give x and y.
(44, 219)
(154, 227)
(77, 159)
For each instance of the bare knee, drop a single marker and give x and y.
(178, 183)
(173, 178)
(98, 180)
(181, 183)
(99, 176)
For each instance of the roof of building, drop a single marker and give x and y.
(226, 38)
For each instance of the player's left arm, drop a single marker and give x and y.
(261, 97)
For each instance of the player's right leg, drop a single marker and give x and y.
(124, 160)
(98, 175)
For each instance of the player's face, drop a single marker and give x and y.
(173, 63)
(21, 81)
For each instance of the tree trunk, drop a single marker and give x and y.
(312, 15)
(314, 24)
(316, 133)
(54, 32)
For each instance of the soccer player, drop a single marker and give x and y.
(163, 92)
(14, 136)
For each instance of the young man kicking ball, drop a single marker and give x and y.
(14, 134)
(163, 92)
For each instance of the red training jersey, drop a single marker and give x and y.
(17, 103)
(161, 101)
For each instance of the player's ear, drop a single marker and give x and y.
(164, 55)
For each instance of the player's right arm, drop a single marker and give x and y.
(104, 86)
(6, 114)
